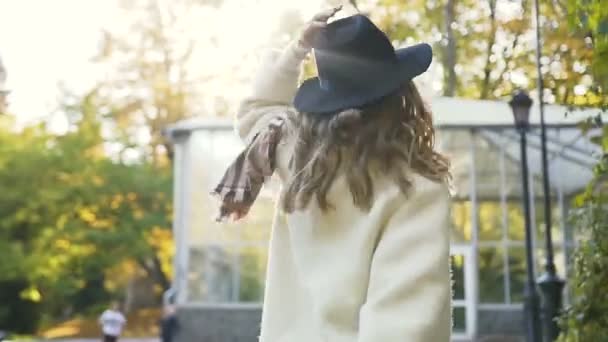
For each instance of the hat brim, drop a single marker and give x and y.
(412, 61)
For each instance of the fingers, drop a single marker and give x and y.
(325, 15)
(318, 24)
(232, 211)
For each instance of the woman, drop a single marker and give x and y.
(359, 248)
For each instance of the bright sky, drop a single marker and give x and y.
(46, 43)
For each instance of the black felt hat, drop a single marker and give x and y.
(357, 65)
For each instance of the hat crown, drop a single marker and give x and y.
(348, 51)
(357, 65)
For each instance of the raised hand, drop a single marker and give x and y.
(318, 22)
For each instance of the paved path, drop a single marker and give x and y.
(151, 339)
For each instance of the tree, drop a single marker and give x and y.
(585, 319)
(592, 17)
(486, 48)
(129, 211)
(449, 53)
(70, 214)
(174, 60)
(149, 86)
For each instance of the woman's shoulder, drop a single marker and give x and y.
(423, 194)
(423, 185)
(420, 185)
(429, 191)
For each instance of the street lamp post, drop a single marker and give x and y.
(550, 284)
(520, 104)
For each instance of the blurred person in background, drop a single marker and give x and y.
(112, 322)
(168, 324)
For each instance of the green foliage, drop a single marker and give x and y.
(15, 308)
(592, 16)
(586, 319)
(494, 49)
(71, 214)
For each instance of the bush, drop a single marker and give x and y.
(17, 314)
(587, 319)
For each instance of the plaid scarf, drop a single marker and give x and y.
(244, 178)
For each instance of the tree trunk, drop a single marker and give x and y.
(129, 295)
(485, 86)
(449, 60)
(162, 277)
(154, 270)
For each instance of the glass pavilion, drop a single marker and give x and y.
(224, 265)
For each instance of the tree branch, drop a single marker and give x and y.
(153, 269)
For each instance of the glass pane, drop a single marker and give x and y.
(538, 215)
(456, 144)
(513, 165)
(515, 221)
(252, 263)
(559, 259)
(212, 151)
(224, 146)
(491, 275)
(210, 154)
(254, 228)
(517, 273)
(211, 277)
(460, 320)
(487, 165)
(458, 276)
(490, 221)
(461, 221)
(512, 172)
(257, 224)
(556, 231)
(206, 231)
(454, 140)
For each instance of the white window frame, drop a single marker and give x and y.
(468, 303)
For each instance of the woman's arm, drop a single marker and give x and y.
(409, 292)
(273, 90)
(276, 82)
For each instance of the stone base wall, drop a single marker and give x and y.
(500, 325)
(242, 324)
(218, 324)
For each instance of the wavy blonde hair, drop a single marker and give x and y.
(394, 136)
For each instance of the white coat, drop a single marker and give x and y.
(347, 275)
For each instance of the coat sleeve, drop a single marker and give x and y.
(273, 90)
(409, 291)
